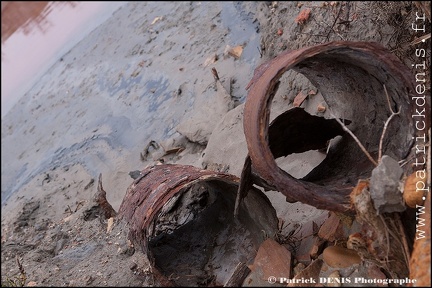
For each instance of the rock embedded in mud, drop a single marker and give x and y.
(384, 186)
(135, 174)
(209, 107)
(340, 257)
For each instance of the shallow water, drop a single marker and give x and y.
(36, 34)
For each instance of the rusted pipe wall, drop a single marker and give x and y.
(157, 192)
(350, 76)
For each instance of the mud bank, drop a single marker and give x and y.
(135, 79)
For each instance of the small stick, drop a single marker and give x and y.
(404, 239)
(215, 74)
(260, 52)
(355, 139)
(334, 22)
(23, 276)
(385, 124)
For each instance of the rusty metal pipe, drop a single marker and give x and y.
(350, 76)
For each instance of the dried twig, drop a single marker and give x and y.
(23, 276)
(400, 226)
(385, 124)
(355, 139)
(215, 74)
(421, 39)
(334, 23)
(382, 135)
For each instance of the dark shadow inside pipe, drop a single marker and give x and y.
(199, 241)
(353, 89)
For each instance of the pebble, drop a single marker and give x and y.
(340, 257)
(384, 186)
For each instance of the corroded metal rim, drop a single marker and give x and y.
(370, 60)
(147, 195)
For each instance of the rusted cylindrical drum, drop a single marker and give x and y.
(181, 217)
(353, 78)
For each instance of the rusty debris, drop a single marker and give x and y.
(358, 65)
(172, 208)
(411, 195)
(299, 99)
(310, 272)
(303, 16)
(205, 228)
(99, 206)
(383, 238)
(235, 52)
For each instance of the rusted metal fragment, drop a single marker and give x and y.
(332, 229)
(245, 184)
(100, 198)
(272, 260)
(181, 217)
(308, 276)
(350, 76)
(101, 207)
(382, 240)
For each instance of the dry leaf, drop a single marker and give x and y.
(156, 20)
(110, 224)
(303, 16)
(321, 108)
(235, 51)
(210, 60)
(299, 99)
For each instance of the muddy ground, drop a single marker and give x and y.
(145, 75)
